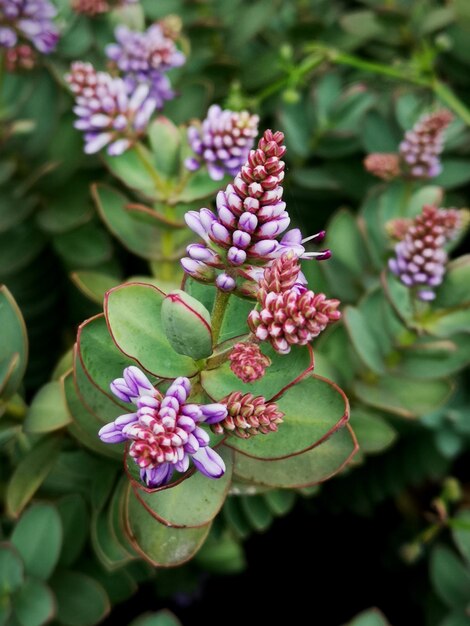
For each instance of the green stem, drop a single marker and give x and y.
(440, 89)
(307, 65)
(144, 157)
(218, 313)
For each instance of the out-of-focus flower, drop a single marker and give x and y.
(107, 115)
(223, 141)
(289, 313)
(422, 145)
(164, 431)
(30, 20)
(97, 7)
(250, 217)
(248, 415)
(247, 362)
(144, 58)
(383, 165)
(22, 57)
(420, 257)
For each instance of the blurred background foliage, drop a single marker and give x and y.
(341, 79)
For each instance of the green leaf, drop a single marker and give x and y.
(431, 359)
(100, 358)
(200, 185)
(85, 425)
(162, 618)
(303, 470)
(461, 533)
(454, 290)
(405, 397)
(455, 173)
(30, 473)
(34, 604)
(372, 617)
(363, 340)
(447, 324)
(187, 325)
(14, 342)
(81, 601)
(140, 238)
(191, 503)
(48, 411)
(284, 370)
(128, 168)
(450, 578)
(313, 410)
(133, 313)
(86, 246)
(374, 434)
(11, 569)
(165, 141)
(75, 523)
(94, 284)
(38, 538)
(76, 197)
(159, 544)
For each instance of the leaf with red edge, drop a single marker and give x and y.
(284, 371)
(159, 544)
(133, 314)
(303, 470)
(102, 361)
(313, 410)
(192, 502)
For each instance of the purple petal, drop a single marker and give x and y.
(213, 413)
(209, 462)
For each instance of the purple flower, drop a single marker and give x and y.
(164, 431)
(30, 20)
(422, 145)
(420, 257)
(223, 141)
(144, 58)
(106, 113)
(250, 217)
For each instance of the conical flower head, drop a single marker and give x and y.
(282, 274)
(164, 431)
(422, 145)
(247, 362)
(97, 7)
(383, 165)
(420, 257)
(20, 58)
(144, 58)
(291, 317)
(106, 114)
(223, 141)
(248, 415)
(30, 20)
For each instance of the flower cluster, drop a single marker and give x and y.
(250, 217)
(383, 165)
(107, 114)
(290, 316)
(97, 7)
(164, 431)
(223, 141)
(247, 362)
(420, 257)
(418, 153)
(248, 415)
(144, 58)
(30, 21)
(422, 145)
(22, 57)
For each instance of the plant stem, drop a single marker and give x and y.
(307, 65)
(218, 313)
(441, 90)
(144, 157)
